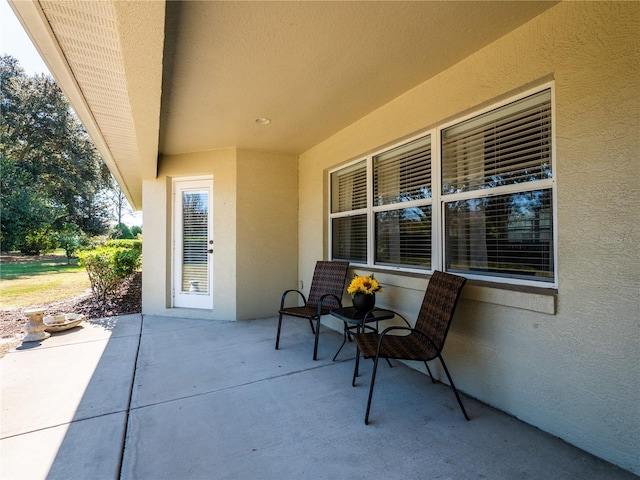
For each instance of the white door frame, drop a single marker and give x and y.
(185, 293)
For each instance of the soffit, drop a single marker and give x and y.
(107, 58)
(312, 67)
(87, 34)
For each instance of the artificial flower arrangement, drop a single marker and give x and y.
(363, 284)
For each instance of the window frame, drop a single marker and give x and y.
(438, 199)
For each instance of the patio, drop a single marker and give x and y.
(150, 397)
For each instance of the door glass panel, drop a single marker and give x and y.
(195, 235)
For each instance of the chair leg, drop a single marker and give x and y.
(278, 335)
(429, 371)
(315, 346)
(357, 363)
(312, 329)
(455, 390)
(373, 381)
(344, 340)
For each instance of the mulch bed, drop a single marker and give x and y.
(127, 300)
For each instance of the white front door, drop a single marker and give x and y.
(193, 243)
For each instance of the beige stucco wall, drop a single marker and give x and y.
(156, 254)
(576, 372)
(254, 232)
(267, 231)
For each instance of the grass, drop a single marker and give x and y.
(32, 281)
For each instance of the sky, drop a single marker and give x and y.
(14, 41)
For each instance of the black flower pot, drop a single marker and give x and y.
(363, 302)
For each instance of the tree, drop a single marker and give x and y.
(52, 175)
(26, 209)
(120, 203)
(72, 239)
(136, 230)
(122, 231)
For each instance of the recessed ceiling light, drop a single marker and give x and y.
(263, 121)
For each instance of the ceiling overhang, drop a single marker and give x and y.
(148, 78)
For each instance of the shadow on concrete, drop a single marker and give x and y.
(165, 398)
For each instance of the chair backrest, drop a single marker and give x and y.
(328, 277)
(438, 306)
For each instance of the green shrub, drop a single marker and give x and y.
(72, 239)
(96, 241)
(37, 242)
(124, 243)
(108, 267)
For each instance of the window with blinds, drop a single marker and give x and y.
(504, 227)
(480, 202)
(507, 146)
(403, 174)
(349, 200)
(349, 242)
(403, 237)
(349, 188)
(402, 185)
(195, 231)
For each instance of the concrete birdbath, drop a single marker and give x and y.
(35, 326)
(62, 322)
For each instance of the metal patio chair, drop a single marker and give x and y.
(424, 342)
(325, 294)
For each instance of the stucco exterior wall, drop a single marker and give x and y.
(266, 231)
(156, 253)
(254, 231)
(569, 365)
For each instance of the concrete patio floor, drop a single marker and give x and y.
(149, 397)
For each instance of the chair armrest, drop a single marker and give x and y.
(304, 299)
(323, 297)
(387, 310)
(406, 329)
(417, 332)
(391, 329)
(396, 328)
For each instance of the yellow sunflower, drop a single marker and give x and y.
(364, 284)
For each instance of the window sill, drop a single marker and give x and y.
(541, 300)
(535, 299)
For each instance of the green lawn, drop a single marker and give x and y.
(32, 281)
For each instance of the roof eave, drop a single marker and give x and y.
(140, 32)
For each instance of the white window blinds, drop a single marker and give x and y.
(506, 228)
(349, 240)
(195, 232)
(474, 197)
(348, 199)
(403, 174)
(505, 146)
(402, 194)
(349, 188)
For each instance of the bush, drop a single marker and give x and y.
(72, 239)
(124, 243)
(108, 267)
(37, 242)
